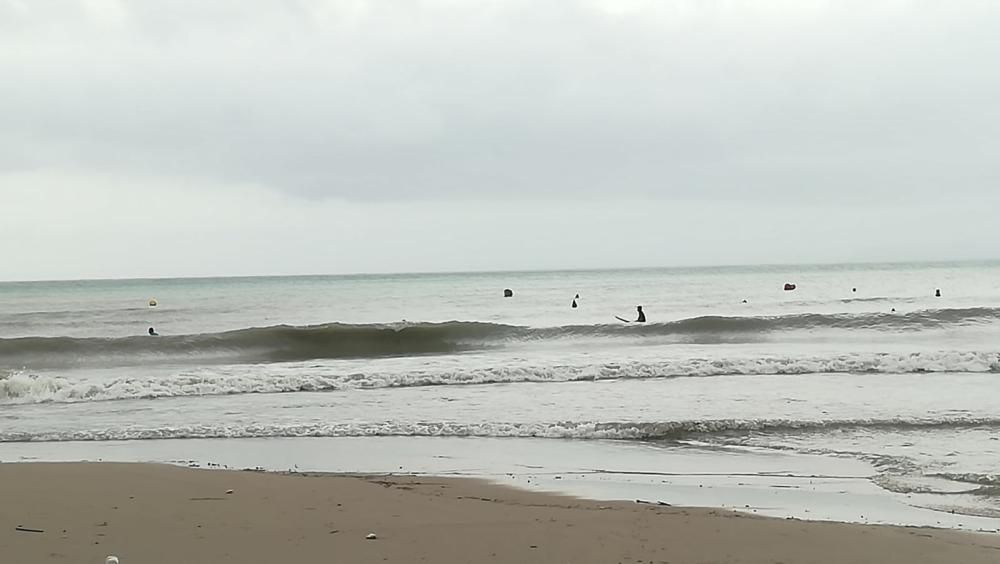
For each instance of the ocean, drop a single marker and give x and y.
(860, 363)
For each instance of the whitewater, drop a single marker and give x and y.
(859, 362)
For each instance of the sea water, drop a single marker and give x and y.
(861, 362)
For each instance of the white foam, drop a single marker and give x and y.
(584, 430)
(23, 387)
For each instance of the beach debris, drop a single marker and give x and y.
(644, 502)
(24, 529)
(229, 492)
(371, 536)
(111, 560)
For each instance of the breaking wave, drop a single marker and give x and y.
(23, 387)
(283, 343)
(639, 431)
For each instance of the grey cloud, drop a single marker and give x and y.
(804, 101)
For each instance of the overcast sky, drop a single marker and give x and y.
(182, 137)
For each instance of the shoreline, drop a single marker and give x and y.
(153, 513)
(766, 483)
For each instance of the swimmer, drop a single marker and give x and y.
(153, 333)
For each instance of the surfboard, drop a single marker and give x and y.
(623, 319)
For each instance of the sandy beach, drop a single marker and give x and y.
(153, 514)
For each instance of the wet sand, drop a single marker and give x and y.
(153, 514)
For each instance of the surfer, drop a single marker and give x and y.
(937, 293)
(640, 319)
(153, 333)
(576, 297)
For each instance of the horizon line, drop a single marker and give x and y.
(501, 271)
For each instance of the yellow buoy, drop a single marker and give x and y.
(152, 303)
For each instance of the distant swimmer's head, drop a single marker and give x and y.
(508, 293)
(153, 332)
(744, 301)
(854, 289)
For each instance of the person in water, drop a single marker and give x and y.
(642, 316)
(152, 332)
(937, 293)
(576, 297)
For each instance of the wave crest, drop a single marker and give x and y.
(283, 343)
(22, 387)
(640, 431)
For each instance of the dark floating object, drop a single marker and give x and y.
(27, 529)
(508, 293)
(644, 502)
(789, 287)
(937, 293)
